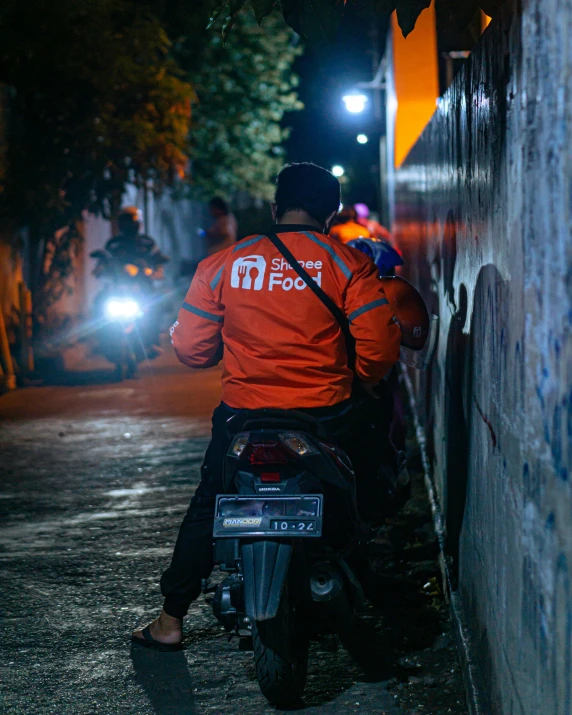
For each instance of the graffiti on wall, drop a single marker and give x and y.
(481, 216)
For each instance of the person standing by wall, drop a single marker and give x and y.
(223, 232)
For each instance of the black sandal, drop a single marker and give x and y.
(149, 642)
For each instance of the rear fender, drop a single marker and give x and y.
(265, 567)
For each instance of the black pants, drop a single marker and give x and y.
(359, 426)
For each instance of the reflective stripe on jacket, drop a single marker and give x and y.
(282, 346)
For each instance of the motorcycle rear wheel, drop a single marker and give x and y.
(281, 655)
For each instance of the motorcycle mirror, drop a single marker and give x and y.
(421, 359)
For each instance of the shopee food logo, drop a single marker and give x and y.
(242, 270)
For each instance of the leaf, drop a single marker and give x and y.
(262, 8)
(384, 7)
(457, 17)
(217, 13)
(290, 11)
(316, 20)
(234, 9)
(407, 13)
(490, 7)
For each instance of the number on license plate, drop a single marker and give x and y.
(292, 525)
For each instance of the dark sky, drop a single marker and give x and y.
(325, 132)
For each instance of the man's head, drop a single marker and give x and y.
(218, 207)
(347, 214)
(129, 221)
(309, 190)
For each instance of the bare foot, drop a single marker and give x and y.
(164, 629)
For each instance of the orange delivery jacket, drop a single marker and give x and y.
(282, 347)
(349, 231)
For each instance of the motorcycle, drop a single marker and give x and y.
(287, 533)
(124, 313)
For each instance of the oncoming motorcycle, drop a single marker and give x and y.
(124, 313)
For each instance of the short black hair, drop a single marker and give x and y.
(220, 204)
(307, 187)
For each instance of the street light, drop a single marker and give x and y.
(338, 170)
(362, 138)
(355, 102)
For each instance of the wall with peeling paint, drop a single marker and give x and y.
(483, 212)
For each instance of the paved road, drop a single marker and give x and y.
(95, 478)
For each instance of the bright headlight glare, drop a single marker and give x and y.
(130, 308)
(298, 444)
(117, 308)
(238, 446)
(114, 308)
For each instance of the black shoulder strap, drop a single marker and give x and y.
(337, 312)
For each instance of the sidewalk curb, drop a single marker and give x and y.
(462, 633)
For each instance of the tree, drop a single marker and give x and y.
(317, 20)
(101, 95)
(96, 100)
(243, 86)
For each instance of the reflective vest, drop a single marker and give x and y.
(282, 346)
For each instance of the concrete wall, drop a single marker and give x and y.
(483, 213)
(10, 277)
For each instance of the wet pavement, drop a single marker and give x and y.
(94, 480)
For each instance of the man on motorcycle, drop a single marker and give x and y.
(282, 349)
(130, 246)
(138, 252)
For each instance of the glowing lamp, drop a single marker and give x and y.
(355, 103)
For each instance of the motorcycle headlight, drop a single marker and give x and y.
(122, 309)
(130, 308)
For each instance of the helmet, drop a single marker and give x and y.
(129, 219)
(383, 255)
(131, 212)
(409, 310)
(348, 213)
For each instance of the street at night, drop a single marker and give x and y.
(95, 479)
(285, 357)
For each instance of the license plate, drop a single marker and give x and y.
(290, 516)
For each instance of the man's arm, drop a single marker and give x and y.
(196, 336)
(372, 324)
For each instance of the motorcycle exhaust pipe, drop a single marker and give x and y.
(326, 582)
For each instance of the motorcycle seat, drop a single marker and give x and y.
(267, 418)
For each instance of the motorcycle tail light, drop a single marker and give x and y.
(267, 453)
(270, 477)
(298, 444)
